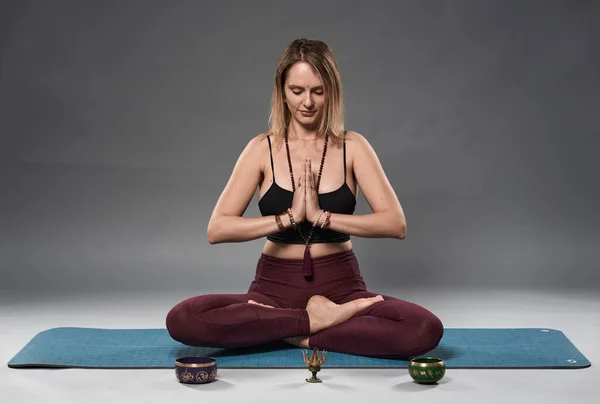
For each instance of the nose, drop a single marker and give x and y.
(308, 102)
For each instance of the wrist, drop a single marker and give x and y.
(326, 220)
(316, 215)
(285, 220)
(291, 218)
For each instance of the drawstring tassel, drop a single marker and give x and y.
(307, 263)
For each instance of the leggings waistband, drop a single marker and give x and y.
(339, 265)
(295, 263)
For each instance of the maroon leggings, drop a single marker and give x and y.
(391, 328)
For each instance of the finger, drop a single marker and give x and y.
(305, 175)
(309, 169)
(306, 187)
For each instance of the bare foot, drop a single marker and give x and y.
(323, 313)
(301, 342)
(259, 304)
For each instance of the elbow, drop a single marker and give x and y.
(400, 233)
(212, 240)
(214, 237)
(213, 233)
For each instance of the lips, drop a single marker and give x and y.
(308, 113)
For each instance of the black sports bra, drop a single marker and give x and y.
(276, 200)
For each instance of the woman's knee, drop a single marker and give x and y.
(185, 324)
(193, 321)
(178, 323)
(427, 335)
(416, 336)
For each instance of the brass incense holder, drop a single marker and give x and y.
(314, 364)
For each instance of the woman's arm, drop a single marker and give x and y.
(226, 224)
(387, 219)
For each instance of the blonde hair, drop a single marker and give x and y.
(320, 57)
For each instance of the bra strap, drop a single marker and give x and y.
(344, 156)
(271, 154)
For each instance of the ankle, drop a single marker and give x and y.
(300, 341)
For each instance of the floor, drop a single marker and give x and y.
(576, 313)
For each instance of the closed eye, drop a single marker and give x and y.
(316, 92)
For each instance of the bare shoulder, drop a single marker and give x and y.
(254, 151)
(256, 145)
(354, 136)
(370, 175)
(245, 177)
(357, 146)
(363, 159)
(261, 137)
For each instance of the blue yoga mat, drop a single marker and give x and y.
(69, 347)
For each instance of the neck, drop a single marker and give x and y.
(301, 133)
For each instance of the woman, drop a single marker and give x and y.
(308, 289)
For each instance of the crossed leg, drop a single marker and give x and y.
(323, 313)
(229, 321)
(238, 320)
(391, 328)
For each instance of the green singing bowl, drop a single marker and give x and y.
(426, 370)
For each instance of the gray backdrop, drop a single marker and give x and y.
(120, 122)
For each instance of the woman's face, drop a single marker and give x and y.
(304, 94)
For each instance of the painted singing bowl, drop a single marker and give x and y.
(426, 370)
(196, 369)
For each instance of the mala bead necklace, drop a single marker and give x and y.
(307, 261)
